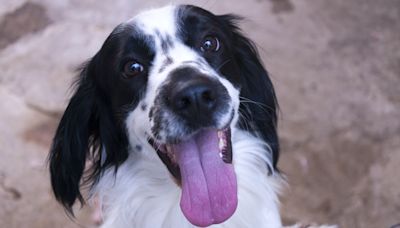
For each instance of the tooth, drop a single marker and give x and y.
(220, 134)
(221, 155)
(221, 144)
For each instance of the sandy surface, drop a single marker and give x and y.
(335, 65)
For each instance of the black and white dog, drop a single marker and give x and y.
(179, 118)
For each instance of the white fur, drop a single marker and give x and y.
(142, 193)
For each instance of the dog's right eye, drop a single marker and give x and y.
(132, 69)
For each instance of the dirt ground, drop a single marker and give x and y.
(335, 66)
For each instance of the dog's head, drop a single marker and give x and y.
(178, 80)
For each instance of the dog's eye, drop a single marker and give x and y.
(132, 69)
(209, 44)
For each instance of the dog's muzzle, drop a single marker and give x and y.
(192, 116)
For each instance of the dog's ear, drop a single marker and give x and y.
(71, 142)
(258, 104)
(87, 131)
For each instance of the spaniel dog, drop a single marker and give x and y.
(179, 120)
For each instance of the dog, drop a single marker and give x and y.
(178, 117)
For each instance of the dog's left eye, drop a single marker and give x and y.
(132, 69)
(209, 44)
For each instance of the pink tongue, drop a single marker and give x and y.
(209, 189)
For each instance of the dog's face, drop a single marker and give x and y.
(186, 89)
(174, 80)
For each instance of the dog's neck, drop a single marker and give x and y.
(143, 194)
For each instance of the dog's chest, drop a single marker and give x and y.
(144, 195)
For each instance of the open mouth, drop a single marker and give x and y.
(202, 165)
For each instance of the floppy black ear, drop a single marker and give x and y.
(87, 130)
(70, 145)
(258, 104)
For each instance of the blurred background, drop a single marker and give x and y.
(335, 66)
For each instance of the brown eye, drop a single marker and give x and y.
(132, 69)
(209, 44)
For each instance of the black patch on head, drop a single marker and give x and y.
(133, 46)
(197, 24)
(138, 147)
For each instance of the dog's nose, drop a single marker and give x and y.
(198, 97)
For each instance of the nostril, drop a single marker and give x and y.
(195, 99)
(207, 96)
(183, 103)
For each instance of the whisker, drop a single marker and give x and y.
(245, 120)
(260, 105)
